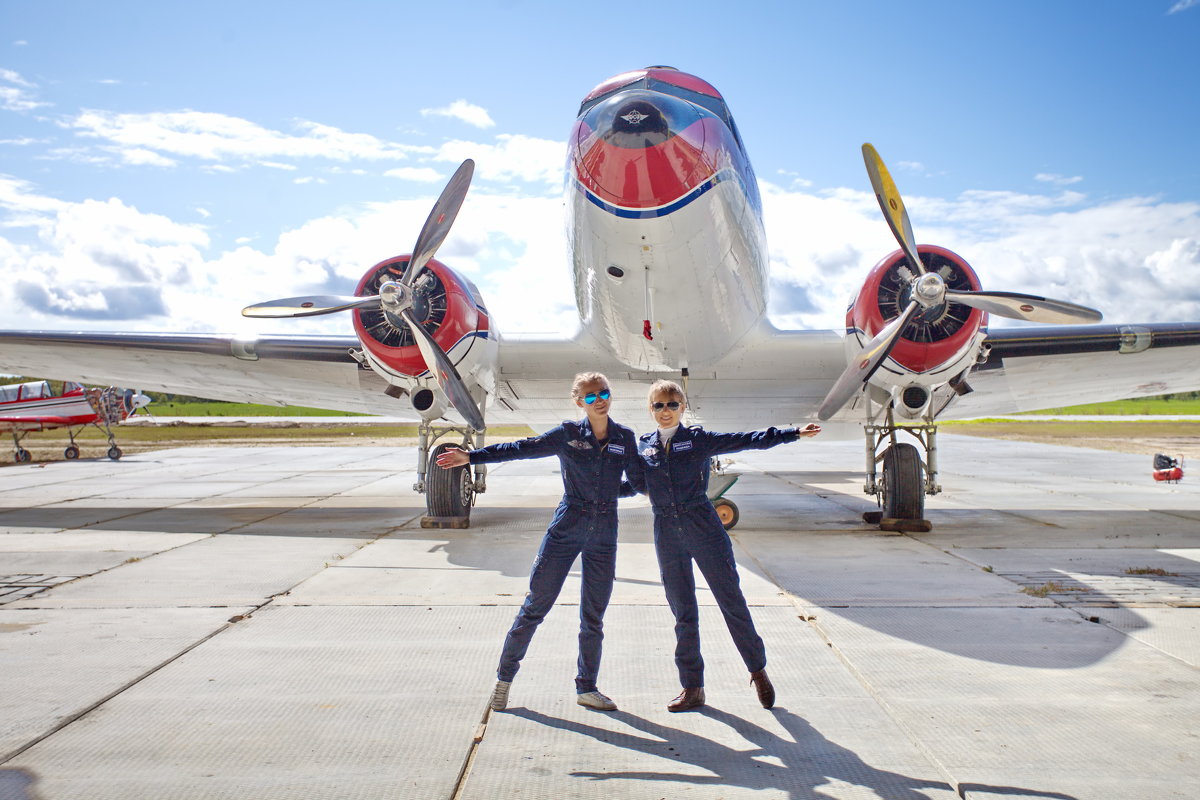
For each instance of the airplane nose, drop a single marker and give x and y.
(641, 149)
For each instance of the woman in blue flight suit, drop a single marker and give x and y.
(594, 452)
(675, 462)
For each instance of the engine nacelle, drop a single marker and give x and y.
(936, 345)
(450, 308)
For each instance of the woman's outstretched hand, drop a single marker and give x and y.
(811, 429)
(453, 458)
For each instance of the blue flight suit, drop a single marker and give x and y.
(686, 529)
(585, 523)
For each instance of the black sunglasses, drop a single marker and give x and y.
(592, 397)
(673, 405)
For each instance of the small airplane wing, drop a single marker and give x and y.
(31, 423)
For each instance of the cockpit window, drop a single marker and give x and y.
(713, 104)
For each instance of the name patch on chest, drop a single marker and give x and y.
(617, 449)
(679, 447)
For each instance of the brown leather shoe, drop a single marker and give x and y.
(687, 700)
(762, 685)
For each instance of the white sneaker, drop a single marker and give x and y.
(595, 700)
(499, 700)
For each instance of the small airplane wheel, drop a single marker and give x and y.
(727, 512)
(72, 452)
(114, 452)
(22, 455)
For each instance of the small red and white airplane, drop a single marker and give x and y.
(33, 406)
(670, 265)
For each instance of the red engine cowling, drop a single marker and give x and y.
(445, 303)
(933, 341)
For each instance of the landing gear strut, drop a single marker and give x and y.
(905, 478)
(449, 493)
(20, 454)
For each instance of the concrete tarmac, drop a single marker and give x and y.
(274, 623)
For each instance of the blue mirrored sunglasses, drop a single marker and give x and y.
(673, 405)
(591, 397)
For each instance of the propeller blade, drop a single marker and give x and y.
(1026, 306)
(308, 306)
(437, 225)
(444, 372)
(892, 206)
(863, 367)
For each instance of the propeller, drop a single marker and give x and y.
(864, 366)
(928, 290)
(395, 298)
(1005, 304)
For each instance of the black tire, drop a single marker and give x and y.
(903, 483)
(22, 456)
(448, 492)
(71, 453)
(727, 512)
(114, 452)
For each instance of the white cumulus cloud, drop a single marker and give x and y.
(463, 111)
(1057, 180)
(219, 137)
(16, 93)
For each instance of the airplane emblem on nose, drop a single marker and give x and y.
(634, 117)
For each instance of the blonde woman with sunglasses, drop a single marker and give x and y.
(675, 465)
(594, 452)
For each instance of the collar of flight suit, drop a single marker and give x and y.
(682, 434)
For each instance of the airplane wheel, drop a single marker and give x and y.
(22, 455)
(903, 483)
(727, 512)
(114, 452)
(448, 492)
(72, 452)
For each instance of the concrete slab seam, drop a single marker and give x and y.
(1080, 609)
(5, 758)
(896, 719)
(460, 783)
(851, 504)
(70, 720)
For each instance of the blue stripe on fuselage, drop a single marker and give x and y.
(661, 211)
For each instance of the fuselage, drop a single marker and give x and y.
(33, 406)
(664, 222)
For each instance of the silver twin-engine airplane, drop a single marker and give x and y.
(671, 271)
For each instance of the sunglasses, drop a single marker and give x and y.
(592, 397)
(673, 405)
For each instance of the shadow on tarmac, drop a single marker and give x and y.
(17, 784)
(809, 760)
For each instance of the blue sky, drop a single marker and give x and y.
(164, 164)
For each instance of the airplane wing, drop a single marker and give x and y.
(1028, 368)
(8, 424)
(315, 371)
(1034, 368)
(533, 376)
